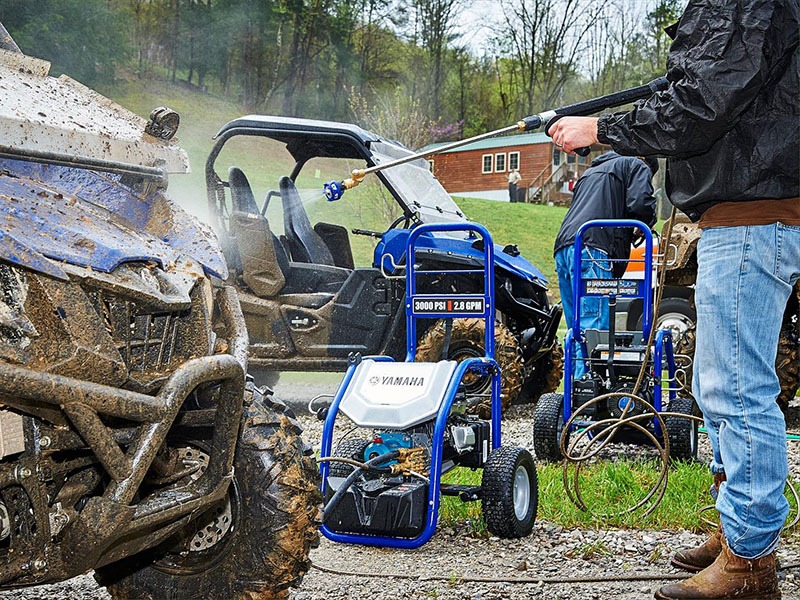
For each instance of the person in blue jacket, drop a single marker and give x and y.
(613, 187)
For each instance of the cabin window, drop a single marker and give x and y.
(513, 160)
(431, 165)
(499, 163)
(556, 156)
(487, 163)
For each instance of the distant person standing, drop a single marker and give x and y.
(613, 187)
(513, 179)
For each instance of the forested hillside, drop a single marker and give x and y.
(416, 70)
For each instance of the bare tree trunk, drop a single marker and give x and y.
(436, 21)
(547, 38)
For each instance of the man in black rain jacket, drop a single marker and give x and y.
(613, 187)
(729, 125)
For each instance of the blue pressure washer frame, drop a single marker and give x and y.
(486, 365)
(575, 335)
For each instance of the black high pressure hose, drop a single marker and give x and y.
(370, 465)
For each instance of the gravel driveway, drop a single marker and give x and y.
(553, 563)
(455, 566)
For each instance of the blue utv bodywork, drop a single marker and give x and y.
(53, 214)
(393, 244)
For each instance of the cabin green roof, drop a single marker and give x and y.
(520, 139)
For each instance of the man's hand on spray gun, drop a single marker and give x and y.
(573, 133)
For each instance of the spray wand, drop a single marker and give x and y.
(336, 189)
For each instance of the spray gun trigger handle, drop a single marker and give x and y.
(584, 151)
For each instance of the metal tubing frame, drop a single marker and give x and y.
(156, 517)
(437, 444)
(155, 413)
(647, 292)
(574, 335)
(411, 284)
(486, 364)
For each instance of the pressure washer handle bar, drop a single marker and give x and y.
(487, 306)
(647, 312)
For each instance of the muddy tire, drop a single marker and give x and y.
(682, 432)
(545, 376)
(272, 504)
(787, 362)
(467, 340)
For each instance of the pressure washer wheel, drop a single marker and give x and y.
(548, 425)
(682, 431)
(510, 492)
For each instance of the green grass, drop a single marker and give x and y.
(608, 490)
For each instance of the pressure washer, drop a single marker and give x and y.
(410, 424)
(620, 393)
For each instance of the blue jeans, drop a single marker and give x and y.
(744, 279)
(593, 309)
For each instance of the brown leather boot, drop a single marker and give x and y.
(697, 559)
(728, 577)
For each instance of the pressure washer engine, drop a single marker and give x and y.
(622, 370)
(410, 425)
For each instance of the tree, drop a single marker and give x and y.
(544, 40)
(665, 13)
(435, 23)
(84, 38)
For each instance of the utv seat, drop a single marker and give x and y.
(267, 271)
(265, 266)
(305, 244)
(242, 196)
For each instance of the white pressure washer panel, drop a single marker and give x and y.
(396, 395)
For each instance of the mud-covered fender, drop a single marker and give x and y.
(52, 214)
(682, 243)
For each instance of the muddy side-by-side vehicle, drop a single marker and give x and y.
(308, 305)
(131, 440)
